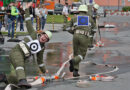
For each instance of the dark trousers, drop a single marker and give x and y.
(21, 23)
(14, 21)
(9, 26)
(80, 45)
(43, 22)
(0, 25)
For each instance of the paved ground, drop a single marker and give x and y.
(115, 52)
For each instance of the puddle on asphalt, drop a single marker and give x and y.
(110, 42)
(118, 27)
(113, 57)
(55, 55)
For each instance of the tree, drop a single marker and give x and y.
(77, 0)
(6, 2)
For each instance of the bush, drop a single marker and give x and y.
(127, 8)
(56, 18)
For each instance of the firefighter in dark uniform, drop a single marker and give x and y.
(0, 19)
(80, 38)
(30, 45)
(2, 14)
(93, 12)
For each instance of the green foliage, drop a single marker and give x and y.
(56, 18)
(17, 33)
(6, 2)
(126, 8)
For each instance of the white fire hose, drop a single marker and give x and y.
(42, 79)
(56, 76)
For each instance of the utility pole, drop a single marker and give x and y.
(123, 3)
(118, 4)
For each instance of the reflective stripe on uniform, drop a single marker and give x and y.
(24, 49)
(41, 65)
(75, 24)
(31, 15)
(68, 28)
(82, 32)
(27, 18)
(19, 68)
(81, 57)
(29, 37)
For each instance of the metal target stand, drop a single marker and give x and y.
(53, 27)
(1, 38)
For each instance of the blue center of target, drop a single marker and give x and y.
(83, 20)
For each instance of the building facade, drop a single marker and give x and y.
(63, 1)
(120, 3)
(114, 3)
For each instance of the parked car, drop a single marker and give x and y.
(58, 8)
(74, 8)
(101, 12)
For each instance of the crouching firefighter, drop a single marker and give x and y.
(80, 27)
(33, 45)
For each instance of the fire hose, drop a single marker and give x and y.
(56, 76)
(43, 79)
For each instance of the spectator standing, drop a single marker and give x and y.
(6, 19)
(2, 15)
(14, 15)
(38, 16)
(0, 19)
(32, 12)
(44, 13)
(0, 25)
(21, 17)
(8, 11)
(65, 14)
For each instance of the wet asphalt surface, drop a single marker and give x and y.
(115, 52)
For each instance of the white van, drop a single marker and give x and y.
(74, 7)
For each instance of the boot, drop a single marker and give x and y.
(3, 78)
(71, 67)
(75, 73)
(24, 83)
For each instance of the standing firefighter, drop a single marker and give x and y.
(80, 27)
(93, 12)
(33, 45)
